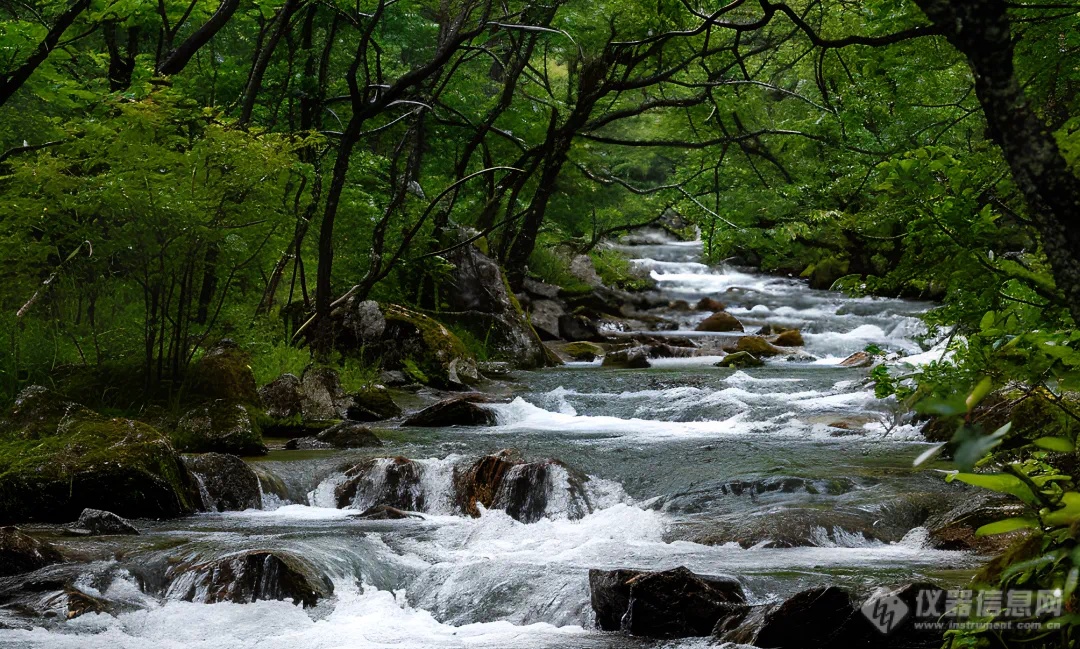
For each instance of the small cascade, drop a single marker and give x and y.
(247, 577)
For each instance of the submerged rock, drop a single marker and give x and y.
(672, 603)
(97, 522)
(347, 434)
(386, 513)
(740, 359)
(633, 358)
(20, 552)
(86, 460)
(720, 321)
(455, 411)
(247, 577)
(221, 427)
(228, 483)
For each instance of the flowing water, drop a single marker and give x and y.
(796, 460)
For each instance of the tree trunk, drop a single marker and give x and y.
(178, 58)
(12, 81)
(980, 29)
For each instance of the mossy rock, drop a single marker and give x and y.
(824, 273)
(789, 338)
(583, 351)
(373, 404)
(757, 346)
(119, 465)
(426, 350)
(740, 359)
(220, 427)
(223, 372)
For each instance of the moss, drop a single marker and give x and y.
(221, 427)
(583, 351)
(119, 465)
(430, 361)
(616, 270)
(223, 372)
(757, 346)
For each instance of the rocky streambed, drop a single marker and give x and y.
(656, 490)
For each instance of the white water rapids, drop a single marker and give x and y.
(685, 459)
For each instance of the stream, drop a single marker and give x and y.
(785, 476)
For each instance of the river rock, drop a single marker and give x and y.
(672, 603)
(541, 290)
(478, 300)
(71, 603)
(578, 328)
(98, 522)
(223, 372)
(819, 618)
(789, 338)
(583, 351)
(20, 552)
(394, 482)
(374, 403)
(496, 369)
(386, 513)
(220, 426)
(739, 360)
(632, 358)
(544, 316)
(478, 485)
(229, 483)
(425, 350)
(955, 528)
(527, 491)
(282, 398)
(321, 394)
(757, 346)
(455, 411)
(710, 304)
(349, 434)
(85, 460)
(365, 320)
(249, 576)
(664, 350)
(719, 322)
(858, 359)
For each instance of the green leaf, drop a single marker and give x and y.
(979, 393)
(1059, 444)
(1067, 515)
(999, 482)
(1008, 525)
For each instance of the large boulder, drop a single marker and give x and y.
(98, 522)
(425, 350)
(282, 398)
(672, 603)
(721, 321)
(479, 300)
(530, 491)
(544, 316)
(455, 411)
(373, 403)
(219, 426)
(249, 576)
(321, 395)
(578, 327)
(20, 552)
(223, 372)
(62, 465)
(228, 483)
(789, 338)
